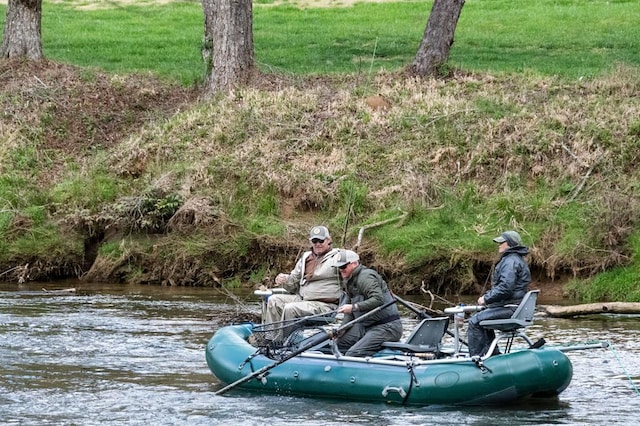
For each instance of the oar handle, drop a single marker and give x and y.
(305, 347)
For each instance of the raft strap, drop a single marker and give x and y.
(413, 380)
(480, 364)
(249, 358)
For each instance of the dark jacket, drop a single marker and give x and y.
(367, 288)
(511, 278)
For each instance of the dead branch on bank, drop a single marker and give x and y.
(374, 225)
(590, 309)
(429, 310)
(433, 296)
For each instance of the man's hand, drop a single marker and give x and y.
(345, 309)
(281, 278)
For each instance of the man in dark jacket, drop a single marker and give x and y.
(510, 283)
(367, 291)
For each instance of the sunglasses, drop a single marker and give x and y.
(317, 241)
(343, 266)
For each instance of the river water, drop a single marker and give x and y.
(131, 355)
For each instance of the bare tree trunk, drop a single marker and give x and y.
(437, 38)
(22, 30)
(232, 36)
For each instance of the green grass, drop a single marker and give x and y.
(574, 38)
(616, 285)
(87, 191)
(568, 38)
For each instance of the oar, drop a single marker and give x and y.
(416, 311)
(314, 341)
(424, 315)
(600, 345)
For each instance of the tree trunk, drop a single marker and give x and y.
(591, 308)
(22, 30)
(207, 40)
(231, 33)
(437, 38)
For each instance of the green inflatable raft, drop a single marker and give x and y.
(392, 376)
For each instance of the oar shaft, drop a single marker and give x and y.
(418, 312)
(601, 345)
(424, 315)
(266, 368)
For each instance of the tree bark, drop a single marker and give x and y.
(438, 37)
(231, 33)
(207, 40)
(22, 37)
(591, 308)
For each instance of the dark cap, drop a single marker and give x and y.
(511, 237)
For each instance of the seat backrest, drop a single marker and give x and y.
(521, 317)
(429, 332)
(527, 308)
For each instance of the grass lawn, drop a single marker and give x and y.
(575, 39)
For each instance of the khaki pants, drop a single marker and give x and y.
(282, 307)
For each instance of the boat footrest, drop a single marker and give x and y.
(407, 347)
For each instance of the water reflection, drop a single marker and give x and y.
(135, 355)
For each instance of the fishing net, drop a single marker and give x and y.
(280, 338)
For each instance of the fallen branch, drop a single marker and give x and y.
(242, 311)
(578, 188)
(374, 225)
(10, 270)
(60, 291)
(590, 308)
(419, 307)
(240, 305)
(433, 296)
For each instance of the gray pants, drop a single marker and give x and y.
(480, 338)
(361, 341)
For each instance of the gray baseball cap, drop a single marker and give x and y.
(319, 232)
(346, 256)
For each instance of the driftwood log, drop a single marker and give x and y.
(590, 308)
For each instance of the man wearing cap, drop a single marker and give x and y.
(510, 282)
(367, 290)
(313, 285)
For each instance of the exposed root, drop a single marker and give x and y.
(195, 212)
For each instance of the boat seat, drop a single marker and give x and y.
(510, 328)
(425, 338)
